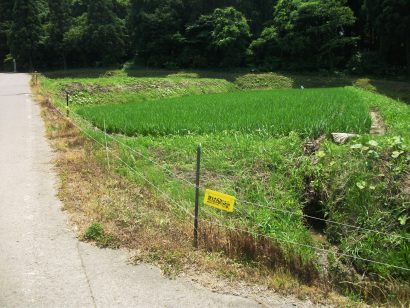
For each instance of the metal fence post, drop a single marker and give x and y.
(198, 170)
(67, 104)
(106, 145)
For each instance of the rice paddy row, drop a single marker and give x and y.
(310, 113)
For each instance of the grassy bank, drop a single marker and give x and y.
(120, 89)
(364, 183)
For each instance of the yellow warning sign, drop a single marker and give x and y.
(219, 201)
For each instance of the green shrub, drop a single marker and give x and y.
(95, 232)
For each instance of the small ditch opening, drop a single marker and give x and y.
(313, 209)
(317, 223)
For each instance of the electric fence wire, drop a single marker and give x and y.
(324, 220)
(239, 200)
(176, 203)
(147, 158)
(306, 246)
(329, 221)
(163, 193)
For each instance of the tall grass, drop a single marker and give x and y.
(277, 112)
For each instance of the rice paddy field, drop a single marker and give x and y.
(275, 112)
(254, 145)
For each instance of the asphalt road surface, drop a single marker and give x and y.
(42, 264)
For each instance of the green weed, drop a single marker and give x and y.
(96, 233)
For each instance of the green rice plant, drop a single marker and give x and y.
(310, 113)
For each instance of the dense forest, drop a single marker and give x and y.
(360, 36)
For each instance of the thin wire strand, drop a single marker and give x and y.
(239, 200)
(133, 169)
(229, 227)
(307, 246)
(170, 172)
(270, 207)
(322, 219)
(146, 157)
(155, 187)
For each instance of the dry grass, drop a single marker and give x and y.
(93, 193)
(242, 245)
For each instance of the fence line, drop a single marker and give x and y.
(176, 203)
(239, 200)
(270, 207)
(133, 150)
(130, 167)
(147, 158)
(307, 246)
(325, 220)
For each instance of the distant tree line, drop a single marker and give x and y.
(363, 36)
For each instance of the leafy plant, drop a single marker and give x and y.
(95, 232)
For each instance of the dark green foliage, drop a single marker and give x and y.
(105, 33)
(258, 13)
(59, 25)
(121, 8)
(266, 50)
(75, 41)
(363, 36)
(389, 29)
(156, 31)
(25, 31)
(96, 233)
(306, 34)
(6, 8)
(219, 39)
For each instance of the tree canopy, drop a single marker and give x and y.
(364, 36)
(25, 31)
(307, 34)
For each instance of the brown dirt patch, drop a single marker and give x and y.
(137, 86)
(406, 186)
(378, 126)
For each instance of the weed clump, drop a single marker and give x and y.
(95, 232)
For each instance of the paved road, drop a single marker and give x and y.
(42, 264)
